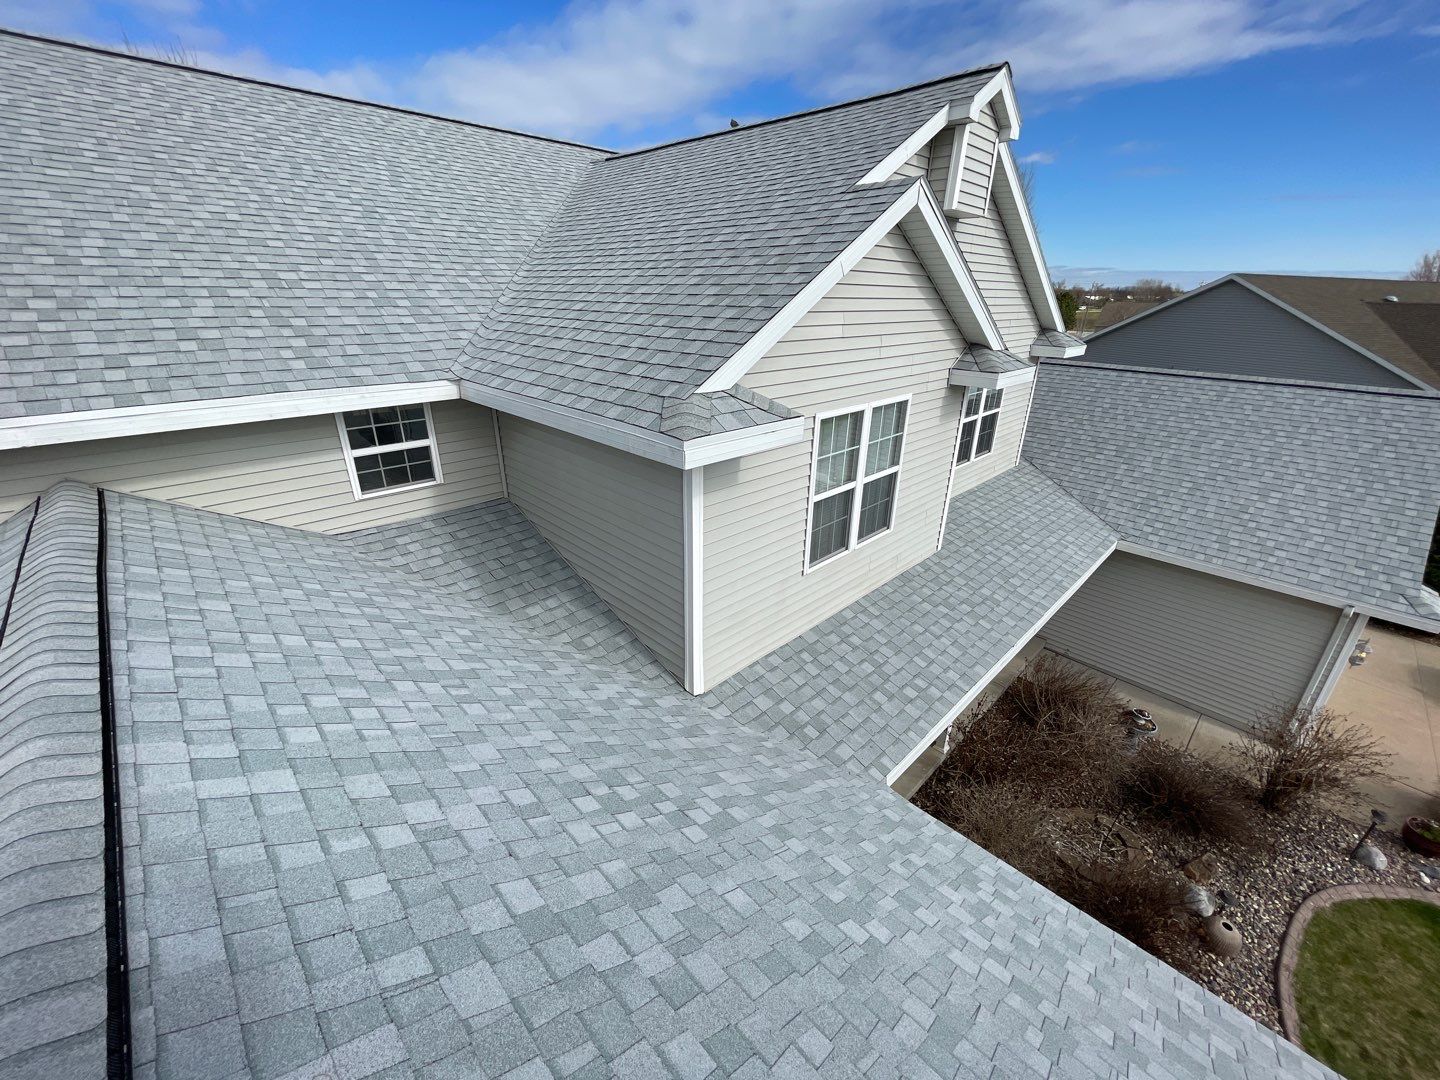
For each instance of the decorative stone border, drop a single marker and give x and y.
(1290, 946)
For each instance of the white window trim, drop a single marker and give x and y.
(984, 412)
(350, 454)
(858, 484)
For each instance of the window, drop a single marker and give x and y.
(388, 449)
(977, 425)
(853, 494)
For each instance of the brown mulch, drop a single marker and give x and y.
(1268, 874)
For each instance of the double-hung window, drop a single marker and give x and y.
(977, 424)
(855, 478)
(389, 449)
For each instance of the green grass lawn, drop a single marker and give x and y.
(1367, 988)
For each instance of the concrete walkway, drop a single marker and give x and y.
(1396, 694)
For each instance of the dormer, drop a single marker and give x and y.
(965, 155)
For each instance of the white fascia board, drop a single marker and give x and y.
(746, 357)
(987, 380)
(999, 86)
(217, 412)
(1027, 252)
(1240, 279)
(973, 313)
(647, 444)
(890, 165)
(709, 449)
(1056, 352)
(1417, 621)
(958, 149)
(989, 677)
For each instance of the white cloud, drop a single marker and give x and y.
(1039, 157)
(607, 67)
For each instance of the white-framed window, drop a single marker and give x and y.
(855, 478)
(977, 424)
(390, 449)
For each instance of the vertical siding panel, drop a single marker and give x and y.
(1229, 650)
(881, 332)
(286, 472)
(615, 518)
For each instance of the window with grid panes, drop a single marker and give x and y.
(390, 448)
(977, 424)
(856, 478)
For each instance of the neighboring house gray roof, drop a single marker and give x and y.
(1355, 308)
(1230, 328)
(52, 815)
(169, 234)
(664, 262)
(1327, 489)
(416, 801)
(866, 686)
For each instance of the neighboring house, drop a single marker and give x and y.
(1354, 331)
(517, 569)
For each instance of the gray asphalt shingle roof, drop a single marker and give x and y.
(414, 803)
(867, 685)
(663, 262)
(52, 819)
(1328, 489)
(168, 234)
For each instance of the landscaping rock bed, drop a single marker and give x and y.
(1043, 780)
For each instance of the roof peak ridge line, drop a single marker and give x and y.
(966, 73)
(119, 54)
(1416, 393)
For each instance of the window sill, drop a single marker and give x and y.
(831, 560)
(398, 489)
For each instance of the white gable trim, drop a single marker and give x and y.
(907, 149)
(1007, 114)
(958, 148)
(1239, 279)
(916, 212)
(186, 415)
(665, 449)
(1009, 198)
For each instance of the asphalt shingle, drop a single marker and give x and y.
(1333, 490)
(478, 831)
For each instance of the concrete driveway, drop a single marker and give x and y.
(1396, 694)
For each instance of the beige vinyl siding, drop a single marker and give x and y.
(287, 472)
(1009, 431)
(614, 517)
(991, 258)
(973, 196)
(941, 149)
(1229, 650)
(881, 332)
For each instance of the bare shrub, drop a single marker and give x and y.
(1136, 900)
(1301, 755)
(1052, 691)
(1186, 793)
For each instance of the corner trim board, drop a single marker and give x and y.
(694, 513)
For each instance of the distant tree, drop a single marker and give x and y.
(1027, 182)
(1069, 307)
(1153, 289)
(1427, 268)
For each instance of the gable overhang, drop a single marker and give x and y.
(999, 89)
(57, 428)
(918, 216)
(1046, 351)
(1239, 279)
(666, 449)
(1009, 196)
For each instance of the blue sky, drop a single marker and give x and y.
(1180, 137)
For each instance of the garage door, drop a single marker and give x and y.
(1230, 650)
